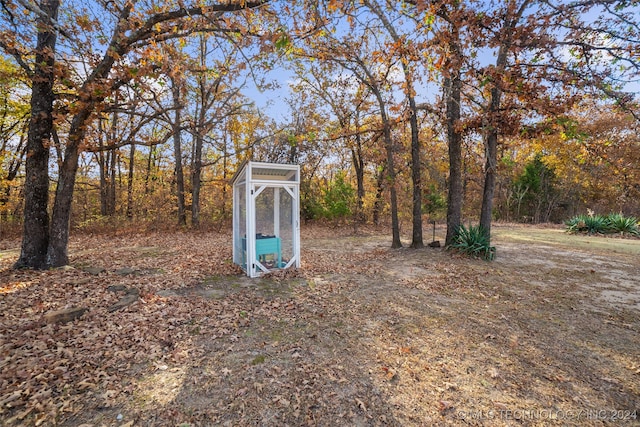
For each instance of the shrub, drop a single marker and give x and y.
(535, 191)
(473, 241)
(435, 203)
(338, 198)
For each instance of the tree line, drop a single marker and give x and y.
(518, 110)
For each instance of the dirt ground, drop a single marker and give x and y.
(361, 335)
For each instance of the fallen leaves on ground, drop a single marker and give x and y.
(359, 335)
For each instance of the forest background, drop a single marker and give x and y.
(135, 115)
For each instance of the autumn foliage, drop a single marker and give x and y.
(151, 133)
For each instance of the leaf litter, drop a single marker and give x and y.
(361, 335)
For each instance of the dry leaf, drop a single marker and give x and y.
(444, 405)
(361, 404)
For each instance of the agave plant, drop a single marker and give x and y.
(618, 223)
(612, 223)
(576, 224)
(596, 224)
(473, 241)
(592, 224)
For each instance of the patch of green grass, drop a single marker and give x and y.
(560, 238)
(212, 280)
(259, 359)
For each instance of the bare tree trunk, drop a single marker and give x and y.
(358, 165)
(107, 165)
(416, 169)
(132, 156)
(102, 166)
(87, 100)
(391, 176)
(416, 240)
(491, 140)
(59, 232)
(35, 237)
(111, 183)
(377, 205)
(490, 172)
(196, 181)
(453, 86)
(113, 157)
(11, 174)
(150, 165)
(225, 185)
(57, 251)
(225, 174)
(177, 148)
(391, 173)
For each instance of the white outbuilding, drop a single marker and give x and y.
(266, 217)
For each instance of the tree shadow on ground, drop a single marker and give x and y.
(416, 338)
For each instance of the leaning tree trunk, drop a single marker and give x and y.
(491, 141)
(35, 238)
(391, 172)
(416, 240)
(88, 98)
(59, 233)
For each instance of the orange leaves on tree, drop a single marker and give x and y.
(85, 23)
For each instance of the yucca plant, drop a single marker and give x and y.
(618, 223)
(592, 224)
(576, 224)
(596, 224)
(473, 241)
